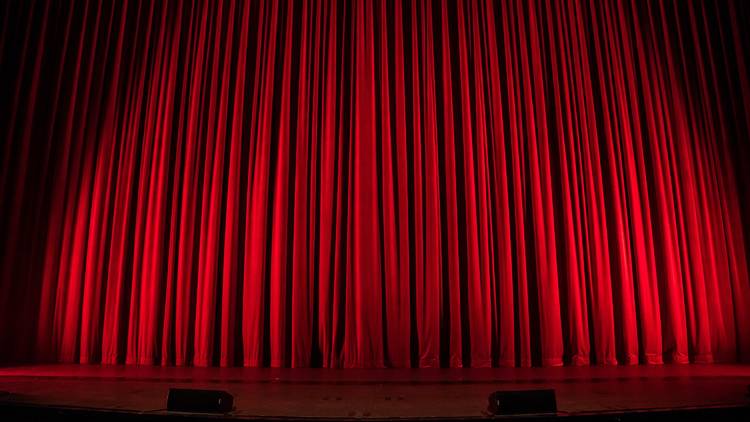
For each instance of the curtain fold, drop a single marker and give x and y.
(374, 183)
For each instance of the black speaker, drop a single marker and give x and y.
(522, 401)
(204, 401)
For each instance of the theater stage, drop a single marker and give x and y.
(390, 393)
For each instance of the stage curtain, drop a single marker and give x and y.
(374, 183)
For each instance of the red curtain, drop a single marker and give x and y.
(374, 183)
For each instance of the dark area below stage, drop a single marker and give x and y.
(94, 392)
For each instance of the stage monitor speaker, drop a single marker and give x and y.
(204, 401)
(522, 402)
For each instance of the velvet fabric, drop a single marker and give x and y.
(374, 183)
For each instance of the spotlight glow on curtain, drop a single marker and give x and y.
(373, 183)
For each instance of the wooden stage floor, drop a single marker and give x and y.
(381, 393)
